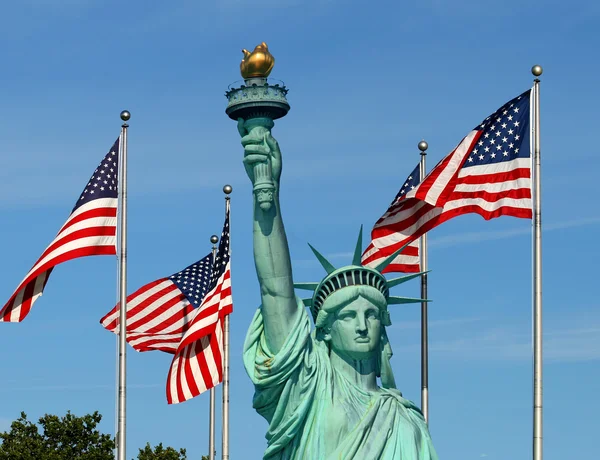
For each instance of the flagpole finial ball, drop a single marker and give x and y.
(423, 146)
(214, 239)
(537, 70)
(227, 189)
(125, 115)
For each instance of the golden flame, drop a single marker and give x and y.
(257, 63)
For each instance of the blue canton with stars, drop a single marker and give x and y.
(504, 134)
(194, 280)
(222, 258)
(410, 183)
(103, 183)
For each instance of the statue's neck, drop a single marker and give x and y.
(363, 373)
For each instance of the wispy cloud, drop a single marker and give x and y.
(237, 4)
(469, 238)
(463, 238)
(340, 255)
(503, 343)
(441, 323)
(62, 4)
(79, 387)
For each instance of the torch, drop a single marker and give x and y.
(254, 105)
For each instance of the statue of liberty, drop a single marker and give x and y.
(318, 389)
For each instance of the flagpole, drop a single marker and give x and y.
(211, 426)
(225, 418)
(121, 446)
(424, 328)
(537, 70)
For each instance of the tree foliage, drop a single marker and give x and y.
(161, 453)
(61, 438)
(69, 438)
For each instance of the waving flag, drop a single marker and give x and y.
(489, 173)
(408, 260)
(90, 230)
(198, 363)
(159, 313)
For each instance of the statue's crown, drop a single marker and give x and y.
(257, 63)
(354, 275)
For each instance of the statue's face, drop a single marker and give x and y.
(356, 330)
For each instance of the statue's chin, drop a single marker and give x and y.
(359, 352)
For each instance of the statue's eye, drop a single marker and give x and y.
(373, 314)
(346, 315)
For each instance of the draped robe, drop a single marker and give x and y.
(315, 412)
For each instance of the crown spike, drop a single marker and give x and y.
(306, 286)
(356, 260)
(402, 300)
(382, 266)
(307, 302)
(324, 262)
(396, 281)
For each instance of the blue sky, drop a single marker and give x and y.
(368, 81)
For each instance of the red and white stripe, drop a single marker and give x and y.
(158, 314)
(89, 231)
(198, 363)
(407, 261)
(449, 190)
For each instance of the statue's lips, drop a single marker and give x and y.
(362, 339)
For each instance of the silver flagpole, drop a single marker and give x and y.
(121, 447)
(225, 435)
(211, 425)
(536, 70)
(424, 339)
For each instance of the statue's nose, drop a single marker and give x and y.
(361, 325)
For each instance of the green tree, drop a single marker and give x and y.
(161, 453)
(69, 438)
(62, 438)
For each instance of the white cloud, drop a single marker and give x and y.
(441, 323)
(340, 255)
(464, 238)
(458, 239)
(503, 343)
(237, 4)
(78, 387)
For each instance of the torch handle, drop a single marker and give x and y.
(264, 187)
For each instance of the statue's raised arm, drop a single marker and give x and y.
(316, 382)
(271, 253)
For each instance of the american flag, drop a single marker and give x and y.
(408, 260)
(198, 363)
(159, 313)
(489, 173)
(90, 230)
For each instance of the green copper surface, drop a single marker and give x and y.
(390, 259)
(404, 279)
(324, 262)
(257, 99)
(358, 249)
(326, 389)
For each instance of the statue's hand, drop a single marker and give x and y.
(261, 147)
